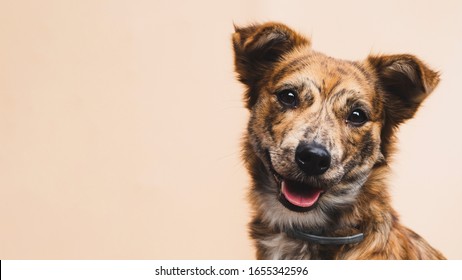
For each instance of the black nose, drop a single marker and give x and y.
(312, 158)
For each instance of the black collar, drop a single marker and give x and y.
(326, 240)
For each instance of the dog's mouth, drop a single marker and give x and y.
(297, 196)
(300, 195)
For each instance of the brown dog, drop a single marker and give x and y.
(318, 143)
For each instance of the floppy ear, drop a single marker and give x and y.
(257, 47)
(405, 81)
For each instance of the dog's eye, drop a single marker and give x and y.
(288, 98)
(357, 117)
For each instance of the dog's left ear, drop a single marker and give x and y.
(406, 82)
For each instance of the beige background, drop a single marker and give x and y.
(120, 122)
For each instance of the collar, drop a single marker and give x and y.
(326, 240)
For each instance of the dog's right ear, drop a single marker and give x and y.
(257, 47)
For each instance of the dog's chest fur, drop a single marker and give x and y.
(281, 247)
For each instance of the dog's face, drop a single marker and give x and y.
(320, 125)
(318, 129)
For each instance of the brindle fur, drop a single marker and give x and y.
(271, 57)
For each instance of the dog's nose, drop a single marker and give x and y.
(312, 158)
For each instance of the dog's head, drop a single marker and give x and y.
(320, 125)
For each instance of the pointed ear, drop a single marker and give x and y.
(406, 82)
(257, 47)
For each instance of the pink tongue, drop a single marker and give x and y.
(305, 198)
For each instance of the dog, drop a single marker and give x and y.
(318, 144)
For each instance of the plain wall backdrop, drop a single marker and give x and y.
(120, 122)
